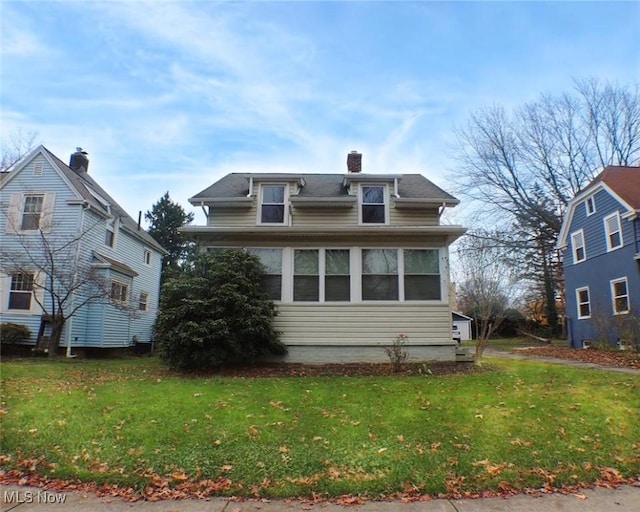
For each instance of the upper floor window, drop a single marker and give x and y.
(578, 246)
(21, 291)
(143, 302)
(272, 204)
(271, 260)
(119, 292)
(146, 257)
(620, 296)
(590, 205)
(110, 235)
(613, 231)
(373, 204)
(32, 212)
(584, 302)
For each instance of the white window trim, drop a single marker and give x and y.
(612, 284)
(286, 218)
(608, 234)
(590, 201)
(574, 247)
(125, 286)
(146, 255)
(322, 274)
(146, 310)
(386, 200)
(36, 295)
(112, 222)
(578, 303)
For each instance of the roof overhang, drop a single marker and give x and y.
(223, 202)
(114, 264)
(411, 203)
(441, 234)
(371, 178)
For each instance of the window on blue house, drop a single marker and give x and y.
(590, 205)
(613, 231)
(578, 246)
(21, 291)
(584, 302)
(620, 296)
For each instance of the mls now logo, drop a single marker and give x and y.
(17, 497)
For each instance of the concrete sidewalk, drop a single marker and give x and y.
(29, 499)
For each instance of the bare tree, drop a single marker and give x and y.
(522, 169)
(486, 289)
(14, 147)
(62, 277)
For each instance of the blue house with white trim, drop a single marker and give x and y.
(600, 244)
(107, 268)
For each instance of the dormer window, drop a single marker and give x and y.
(590, 205)
(272, 204)
(373, 204)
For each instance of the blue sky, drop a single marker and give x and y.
(174, 95)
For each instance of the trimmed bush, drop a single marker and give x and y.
(14, 333)
(216, 312)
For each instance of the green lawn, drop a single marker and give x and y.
(515, 425)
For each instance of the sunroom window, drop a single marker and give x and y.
(337, 280)
(379, 274)
(271, 260)
(421, 274)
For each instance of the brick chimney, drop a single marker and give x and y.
(354, 162)
(79, 161)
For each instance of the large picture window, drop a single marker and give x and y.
(272, 205)
(421, 274)
(373, 204)
(21, 291)
(271, 260)
(379, 274)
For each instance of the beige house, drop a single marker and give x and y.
(352, 259)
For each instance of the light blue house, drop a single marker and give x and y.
(66, 241)
(600, 244)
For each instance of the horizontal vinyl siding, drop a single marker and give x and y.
(314, 217)
(232, 217)
(407, 217)
(325, 217)
(363, 324)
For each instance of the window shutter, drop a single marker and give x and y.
(14, 213)
(46, 222)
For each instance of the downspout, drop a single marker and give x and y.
(84, 206)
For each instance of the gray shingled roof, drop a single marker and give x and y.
(410, 186)
(80, 183)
